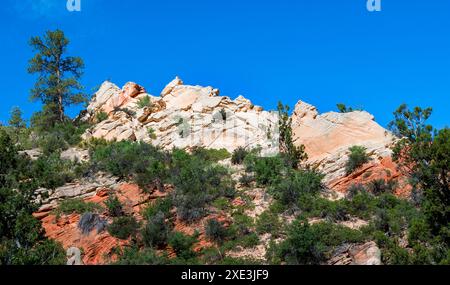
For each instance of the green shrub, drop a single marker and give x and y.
(51, 171)
(297, 183)
(268, 223)
(156, 231)
(114, 206)
(197, 183)
(246, 180)
(151, 133)
(268, 170)
(182, 244)
(123, 227)
(215, 231)
(213, 155)
(353, 190)
(311, 244)
(77, 206)
(358, 157)
(162, 205)
(344, 109)
(134, 256)
(101, 116)
(380, 186)
(239, 155)
(144, 102)
(142, 162)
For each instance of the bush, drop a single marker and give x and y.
(311, 244)
(268, 170)
(142, 162)
(246, 180)
(344, 109)
(239, 155)
(101, 116)
(134, 256)
(162, 205)
(51, 171)
(77, 206)
(215, 231)
(144, 102)
(297, 183)
(197, 183)
(353, 190)
(358, 157)
(182, 244)
(156, 231)
(114, 206)
(213, 155)
(268, 223)
(380, 186)
(151, 133)
(123, 227)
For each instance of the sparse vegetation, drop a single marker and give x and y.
(358, 157)
(239, 155)
(123, 227)
(77, 206)
(101, 116)
(144, 102)
(215, 231)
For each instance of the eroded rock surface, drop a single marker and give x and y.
(183, 116)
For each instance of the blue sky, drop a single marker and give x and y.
(320, 51)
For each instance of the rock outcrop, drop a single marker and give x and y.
(359, 254)
(183, 116)
(327, 138)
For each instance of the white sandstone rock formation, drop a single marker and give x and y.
(327, 137)
(183, 116)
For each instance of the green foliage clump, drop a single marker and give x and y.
(182, 245)
(268, 170)
(268, 222)
(101, 116)
(424, 153)
(212, 155)
(144, 102)
(156, 231)
(215, 231)
(51, 171)
(16, 121)
(114, 206)
(358, 157)
(297, 183)
(344, 109)
(239, 155)
(77, 206)
(123, 227)
(142, 162)
(197, 183)
(311, 244)
(22, 238)
(134, 256)
(293, 155)
(59, 75)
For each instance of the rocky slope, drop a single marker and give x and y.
(186, 116)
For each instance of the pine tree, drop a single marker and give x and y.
(58, 82)
(293, 154)
(16, 120)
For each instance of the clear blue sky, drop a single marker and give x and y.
(320, 51)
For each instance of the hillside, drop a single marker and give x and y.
(222, 201)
